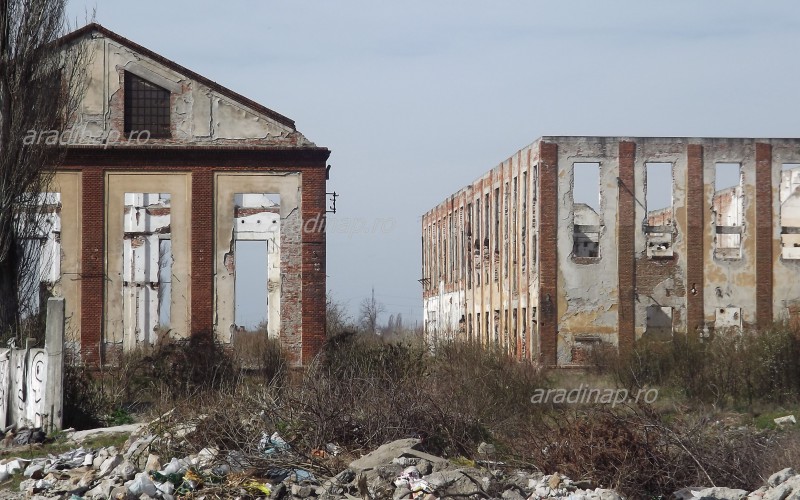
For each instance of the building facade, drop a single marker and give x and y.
(566, 245)
(167, 173)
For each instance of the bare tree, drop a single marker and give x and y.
(41, 82)
(370, 311)
(337, 319)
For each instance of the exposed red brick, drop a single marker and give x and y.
(764, 242)
(548, 255)
(695, 214)
(92, 266)
(626, 234)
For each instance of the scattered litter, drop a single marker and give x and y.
(787, 420)
(272, 444)
(255, 486)
(29, 436)
(410, 479)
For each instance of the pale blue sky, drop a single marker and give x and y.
(417, 98)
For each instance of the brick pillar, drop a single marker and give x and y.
(202, 251)
(548, 253)
(764, 257)
(626, 234)
(92, 265)
(313, 268)
(695, 228)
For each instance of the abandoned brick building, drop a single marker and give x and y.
(147, 225)
(566, 244)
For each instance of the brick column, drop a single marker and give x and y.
(626, 234)
(313, 268)
(92, 265)
(695, 228)
(548, 253)
(764, 257)
(202, 252)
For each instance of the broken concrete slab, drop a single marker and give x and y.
(81, 436)
(384, 454)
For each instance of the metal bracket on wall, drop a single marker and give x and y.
(332, 206)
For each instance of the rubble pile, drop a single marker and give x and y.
(396, 470)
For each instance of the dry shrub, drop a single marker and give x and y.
(166, 372)
(363, 391)
(632, 450)
(784, 453)
(730, 369)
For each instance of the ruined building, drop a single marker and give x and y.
(167, 175)
(576, 241)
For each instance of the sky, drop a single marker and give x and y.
(417, 98)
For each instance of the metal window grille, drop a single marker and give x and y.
(147, 107)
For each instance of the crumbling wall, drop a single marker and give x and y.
(200, 114)
(715, 259)
(730, 280)
(588, 295)
(479, 266)
(786, 285)
(285, 271)
(142, 211)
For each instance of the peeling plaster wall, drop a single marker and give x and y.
(285, 287)
(199, 114)
(661, 282)
(68, 185)
(219, 143)
(587, 302)
(748, 291)
(730, 282)
(786, 275)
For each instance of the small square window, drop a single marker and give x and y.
(147, 108)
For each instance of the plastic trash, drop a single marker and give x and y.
(272, 444)
(173, 467)
(256, 487)
(410, 478)
(142, 485)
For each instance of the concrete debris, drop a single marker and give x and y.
(787, 420)
(395, 470)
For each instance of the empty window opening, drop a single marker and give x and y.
(524, 332)
(728, 208)
(790, 210)
(468, 255)
(147, 107)
(497, 221)
(506, 204)
(251, 284)
(524, 225)
(514, 332)
(255, 261)
(658, 324)
(586, 210)
(497, 327)
(146, 267)
(658, 225)
(38, 228)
